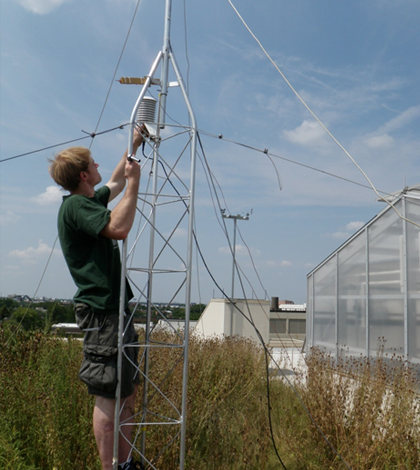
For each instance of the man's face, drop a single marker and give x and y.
(93, 173)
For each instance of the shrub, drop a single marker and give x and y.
(367, 410)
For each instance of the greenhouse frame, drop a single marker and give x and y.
(365, 297)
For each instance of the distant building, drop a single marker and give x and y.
(66, 328)
(281, 325)
(173, 325)
(221, 318)
(20, 298)
(287, 321)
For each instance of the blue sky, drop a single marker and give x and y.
(356, 65)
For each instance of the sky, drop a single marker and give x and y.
(355, 64)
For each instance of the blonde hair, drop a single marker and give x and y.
(66, 166)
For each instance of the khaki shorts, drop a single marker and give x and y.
(100, 350)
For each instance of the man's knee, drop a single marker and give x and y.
(104, 411)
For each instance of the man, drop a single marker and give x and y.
(88, 233)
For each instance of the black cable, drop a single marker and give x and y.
(267, 353)
(262, 342)
(116, 67)
(207, 170)
(304, 165)
(252, 323)
(230, 300)
(45, 148)
(35, 293)
(255, 328)
(92, 135)
(220, 137)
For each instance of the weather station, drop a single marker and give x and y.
(165, 206)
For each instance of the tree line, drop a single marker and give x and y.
(43, 315)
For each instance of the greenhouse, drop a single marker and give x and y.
(365, 297)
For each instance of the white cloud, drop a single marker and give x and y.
(402, 120)
(308, 133)
(52, 195)
(379, 141)
(240, 250)
(9, 218)
(351, 228)
(31, 254)
(11, 268)
(340, 235)
(180, 232)
(382, 139)
(283, 263)
(41, 7)
(354, 226)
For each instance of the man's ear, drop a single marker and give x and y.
(83, 176)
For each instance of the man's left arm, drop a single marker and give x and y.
(116, 183)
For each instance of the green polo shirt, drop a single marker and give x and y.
(93, 260)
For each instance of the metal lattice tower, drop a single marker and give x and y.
(160, 261)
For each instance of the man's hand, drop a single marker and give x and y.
(138, 137)
(132, 170)
(122, 173)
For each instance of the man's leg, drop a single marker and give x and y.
(103, 427)
(127, 413)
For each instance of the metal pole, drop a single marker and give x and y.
(404, 275)
(123, 272)
(165, 62)
(234, 259)
(119, 364)
(189, 261)
(232, 307)
(235, 219)
(149, 292)
(161, 124)
(151, 269)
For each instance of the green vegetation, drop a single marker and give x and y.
(170, 312)
(195, 311)
(35, 316)
(44, 413)
(42, 315)
(367, 410)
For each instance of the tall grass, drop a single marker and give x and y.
(227, 424)
(366, 411)
(364, 414)
(45, 418)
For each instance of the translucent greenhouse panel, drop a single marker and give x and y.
(413, 278)
(386, 283)
(325, 305)
(352, 296)
(386, 325)
(309, 312)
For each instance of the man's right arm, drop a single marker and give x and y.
(117, 181)
(122, 216)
